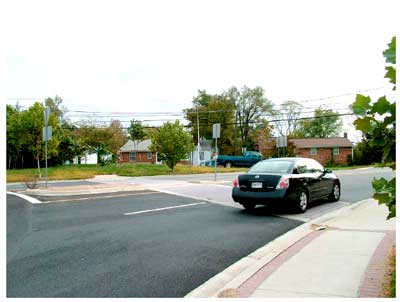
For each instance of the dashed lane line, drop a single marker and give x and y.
(166, 208)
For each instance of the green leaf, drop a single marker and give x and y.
(381, 106)
(382, 198)
(361, 104)
(390, 53)
(365, 124)
(391, 74)
(392, 212)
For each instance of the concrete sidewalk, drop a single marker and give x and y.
(341, 254)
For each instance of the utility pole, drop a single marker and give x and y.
(235, 134)
(198, 136)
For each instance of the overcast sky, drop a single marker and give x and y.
(152, 56)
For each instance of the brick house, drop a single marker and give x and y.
(137, 152)
(337, 150)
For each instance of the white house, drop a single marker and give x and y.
(199, 156)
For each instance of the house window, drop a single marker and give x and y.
(335, 151)
(202, 155)
(149, 155)
(132, 156)
(313, 151)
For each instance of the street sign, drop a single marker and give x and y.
(46, 115)
(47, 135)
(281, 141)
(216, 130)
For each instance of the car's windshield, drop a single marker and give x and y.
(273, 166)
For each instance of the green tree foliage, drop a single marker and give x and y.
(14, 138)
(136, 131)
(172, 143)
(326, 123)
(377, 120)
(208, 110)
(366, 154)
(237, 110)
(251, 105)
(33, 123)
(102, 140)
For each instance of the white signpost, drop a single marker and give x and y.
(216, 135)
(47, 133)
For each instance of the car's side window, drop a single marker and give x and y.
(314, 167)
(301, 167)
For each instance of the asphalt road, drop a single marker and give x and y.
(84, 246)
(89, 248)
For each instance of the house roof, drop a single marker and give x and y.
(136, 146)
(321, 142)
(205, 145)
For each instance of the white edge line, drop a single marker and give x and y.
(26, 197)
(166, 208)
(179, 194)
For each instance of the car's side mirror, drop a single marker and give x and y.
(327, 171)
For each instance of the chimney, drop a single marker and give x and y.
(345, 134)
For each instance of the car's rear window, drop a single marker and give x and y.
(274, 166)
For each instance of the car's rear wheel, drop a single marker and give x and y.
(228, 164)
(301, 201)
(248, 205)
(335, 194)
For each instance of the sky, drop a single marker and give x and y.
(153, 56)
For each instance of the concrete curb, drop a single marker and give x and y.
(236, 274)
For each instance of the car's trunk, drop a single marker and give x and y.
(259, 182)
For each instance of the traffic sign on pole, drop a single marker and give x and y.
(216, 130)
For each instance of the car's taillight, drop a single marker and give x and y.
(236, 182)
(283, 183)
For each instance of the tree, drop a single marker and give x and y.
(208, 110)
(118, 137)
(33, 123)
(172, 143)
(136, 131)
(55, 106)
(250, 106)
(326, 123)
(15, 140)
(287, 116)
(377, 120)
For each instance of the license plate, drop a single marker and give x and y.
(256, 185)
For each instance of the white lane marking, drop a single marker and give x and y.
(166, 208)
(101, 197)
(26, 197)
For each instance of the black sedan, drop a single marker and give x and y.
(292, 181)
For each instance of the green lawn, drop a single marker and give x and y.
(89, 171)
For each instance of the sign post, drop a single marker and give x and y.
(216, 135)
(46, 135)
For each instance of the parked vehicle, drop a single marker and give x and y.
(290, 181)
(248, 159)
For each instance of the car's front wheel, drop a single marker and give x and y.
(335, 194)
(248, 205)
(301, 201)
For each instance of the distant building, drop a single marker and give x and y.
(90, 159)
(137, 152)
(200, 156)
(337, 150)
